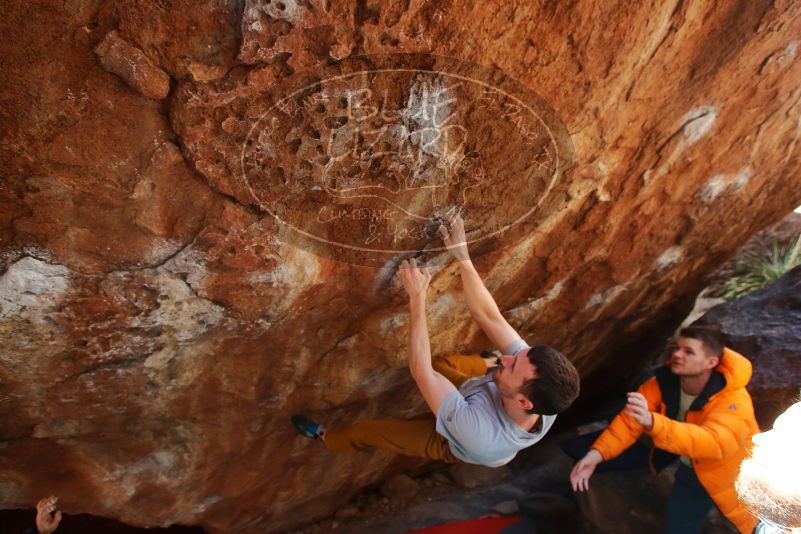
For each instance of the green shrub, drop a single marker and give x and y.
(759, 267)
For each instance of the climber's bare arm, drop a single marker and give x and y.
(479, 301)
(434, 386)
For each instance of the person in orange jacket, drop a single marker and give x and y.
(696, 407)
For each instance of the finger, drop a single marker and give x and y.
(413, 263)
(637, 418)
(638, 397)
(427, 272)
(635, 397)
(640, 403)
(636, 406)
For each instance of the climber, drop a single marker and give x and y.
(696, 409)
(769, 482)
(492, 415)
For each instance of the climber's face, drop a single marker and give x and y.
(512, 373)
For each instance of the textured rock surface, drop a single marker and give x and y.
(636, 501)
(129, 63)
(766, 327)
(157, 330)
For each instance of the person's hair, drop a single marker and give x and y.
(711, 337)
(556, 385)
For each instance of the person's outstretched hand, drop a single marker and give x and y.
(413, 279)
(583, 470)
(46, 520)
(455, 239)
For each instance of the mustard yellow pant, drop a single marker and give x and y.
(412, 437)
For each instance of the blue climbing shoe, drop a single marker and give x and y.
(307, 427)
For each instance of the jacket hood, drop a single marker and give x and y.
(732, 372)
(735, 368)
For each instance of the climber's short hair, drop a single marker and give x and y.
(556, 384)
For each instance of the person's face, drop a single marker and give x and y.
(691, 358)
(513, 371)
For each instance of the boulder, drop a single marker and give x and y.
(765, 326)
(470, 476)
(634, 502)
(163, 313)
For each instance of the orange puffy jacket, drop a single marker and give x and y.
(716, 435)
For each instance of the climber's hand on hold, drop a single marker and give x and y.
(413, 279)
(454, 239)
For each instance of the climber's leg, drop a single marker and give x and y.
(460, 367)
(412, 437)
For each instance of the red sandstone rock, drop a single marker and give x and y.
(129, 63)
(189, 39)
(159, 328)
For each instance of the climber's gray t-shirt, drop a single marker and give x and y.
(477, 427)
